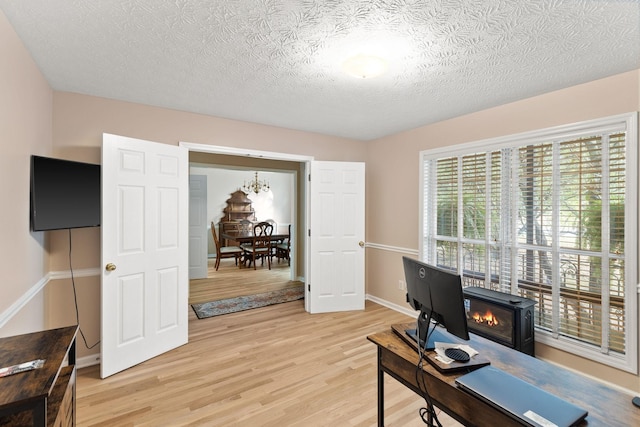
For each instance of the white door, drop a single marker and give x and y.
(198, 241)
(144, 251)
(336, 273)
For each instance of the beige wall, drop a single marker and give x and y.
(25, 129)
(393, 179)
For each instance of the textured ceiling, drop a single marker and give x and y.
(278, 62)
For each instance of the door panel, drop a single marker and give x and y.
(144, 239)
(337, 228)
(168, 293)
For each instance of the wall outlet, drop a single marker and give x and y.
(402, 285)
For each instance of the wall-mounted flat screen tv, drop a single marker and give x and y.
(64, 194)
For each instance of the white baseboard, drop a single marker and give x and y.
(86, 361)
(395, 307)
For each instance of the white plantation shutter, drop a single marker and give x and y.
(549, 215)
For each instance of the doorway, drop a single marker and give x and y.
(229, 281)
(333, 255)
(276, 203)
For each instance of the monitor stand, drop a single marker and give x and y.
(430, 330)
(435, 336)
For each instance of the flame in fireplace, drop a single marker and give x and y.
(488, 318)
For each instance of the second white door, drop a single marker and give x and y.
(337, 226)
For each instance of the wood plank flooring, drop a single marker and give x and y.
(230, 281)
(272, 366)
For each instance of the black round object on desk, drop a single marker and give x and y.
(457, 354)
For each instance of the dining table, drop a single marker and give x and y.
(246, 236)
(243, 237)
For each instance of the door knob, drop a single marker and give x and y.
(110, 267)
(361, 243)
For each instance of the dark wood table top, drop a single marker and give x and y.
(606, 405)
(51, 345)
(247, 236)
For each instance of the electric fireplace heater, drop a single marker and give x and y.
(504, 318)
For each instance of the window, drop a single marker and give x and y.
(549, 215)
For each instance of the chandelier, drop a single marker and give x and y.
(256, 185)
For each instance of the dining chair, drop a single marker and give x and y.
(283, 249)
(245, 225)
(260, 246)
(275, 230)
(224, 251)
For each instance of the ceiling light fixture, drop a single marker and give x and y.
(364, 66)
(256, 185)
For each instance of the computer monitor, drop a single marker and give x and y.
(437, 293)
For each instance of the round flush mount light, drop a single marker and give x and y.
(364, 66)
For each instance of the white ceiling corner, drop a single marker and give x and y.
(278, 62)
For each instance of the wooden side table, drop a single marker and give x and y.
(44, 396)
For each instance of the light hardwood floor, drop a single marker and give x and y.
(272, 366)
(230, 281)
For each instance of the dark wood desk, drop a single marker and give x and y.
(607, 406)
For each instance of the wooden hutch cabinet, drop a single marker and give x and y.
(238, 208)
